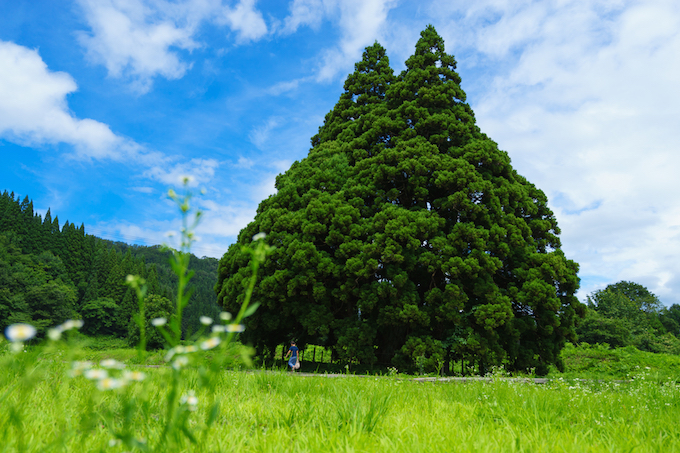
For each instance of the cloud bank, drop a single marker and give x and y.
(34, 111)
(138, 40)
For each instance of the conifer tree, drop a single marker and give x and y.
(127, 307)
(114, 287)
(92, 290)
(152, 281)
(406, 235)
(46, 238)
(11, 214)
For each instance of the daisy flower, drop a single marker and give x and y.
(20, 332)
(95, 374)
(210, 343)
(235, 328)
(225, 316)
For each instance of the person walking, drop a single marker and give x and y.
(293, 352)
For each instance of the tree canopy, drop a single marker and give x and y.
(627, 313)
(50, 273)
(406, 234)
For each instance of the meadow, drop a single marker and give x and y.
(49, 407)
(69, 392)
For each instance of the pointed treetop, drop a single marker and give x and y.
(364, 89)
(430, 56)
(48, 218)
(368, 83)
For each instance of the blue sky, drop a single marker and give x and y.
(104, 104)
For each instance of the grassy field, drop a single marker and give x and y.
(44, 409)
(602, 362)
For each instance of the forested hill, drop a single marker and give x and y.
(50, 273)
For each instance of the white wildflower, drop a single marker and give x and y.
(109, 383)
(20, 332)
(54, 334)
(218, 328)
(235, 327)
(71, 324)
(169, 355)
(180, 362)
(210, 343)
(112, 364)
(95, 374)
(225, 316)
(158, 322)
(206, 321)
(190, 400)
(134, 376)
(259, 236)
(77, 368)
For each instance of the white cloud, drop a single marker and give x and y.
(142, 39)
(143, 189)
(306, 12)
(200, 171)
(146, 233)
(587, 105)
(259, 136)
(285, 87)
(224, 221)
(244, 19)
(219, 226)
(266, 188)
(267, 184)
(34, 111)
(244, 162)
(211, 238)
(134, 39)
(361, 22)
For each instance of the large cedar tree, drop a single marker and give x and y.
(405, 236)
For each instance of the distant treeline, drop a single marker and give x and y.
(50, 273)
(628, 314)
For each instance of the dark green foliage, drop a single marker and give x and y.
(50, 304)
(596, 328)
(162, 280)
(406, 236)
(627, 313)
(626, 300)
(99, 317)
(48, 273)
(32, 288)
(670, 319)
(155, 307)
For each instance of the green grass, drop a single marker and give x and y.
(263, 411)
(602, 362)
